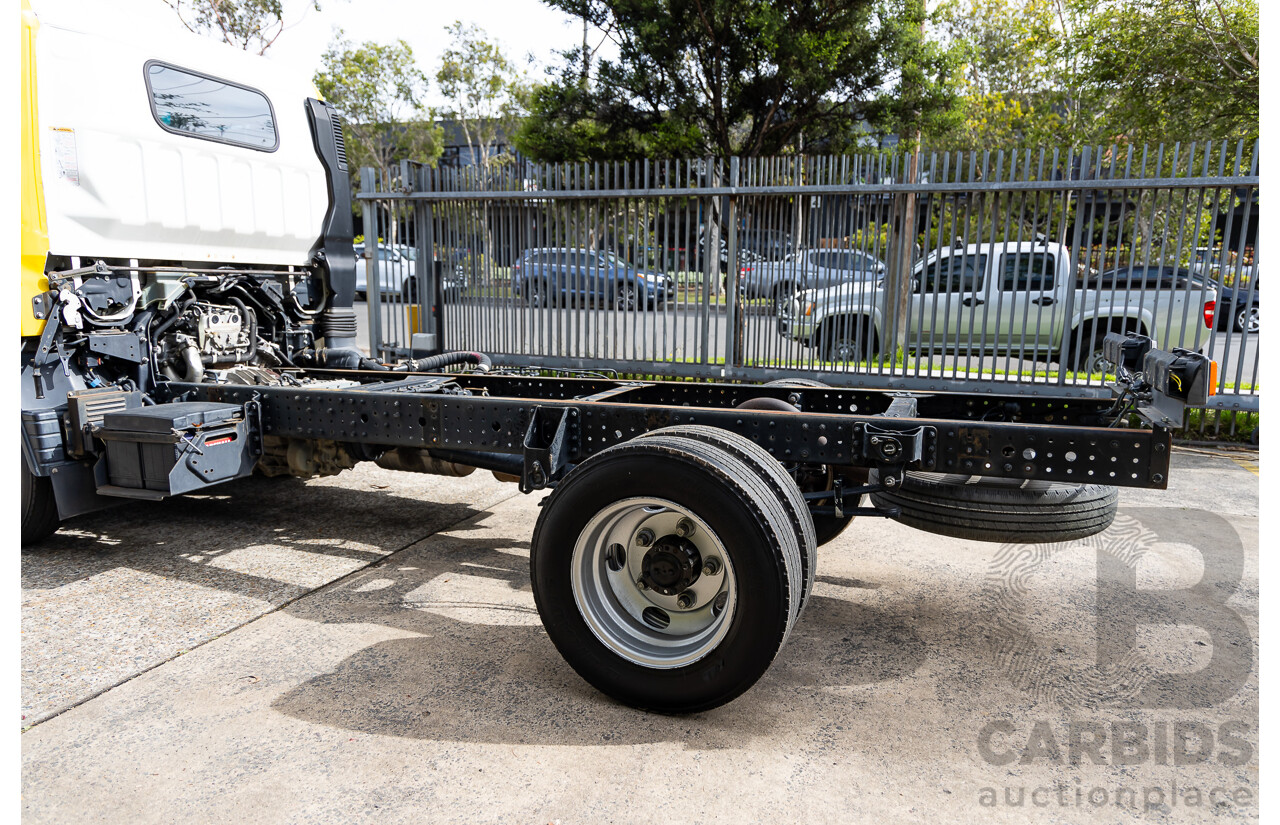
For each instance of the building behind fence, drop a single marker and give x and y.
(980, 272)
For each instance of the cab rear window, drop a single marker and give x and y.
(196, 105)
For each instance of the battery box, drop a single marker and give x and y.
(170, 449)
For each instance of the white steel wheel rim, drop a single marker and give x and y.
(625, 615)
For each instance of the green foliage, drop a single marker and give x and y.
(1018, 80)
(923, 85)
(873, 238)
(252, 25)
(1175, 68)
(1075, 72)
(485, 91)
(710, 77)
(378, 89)
(566, 123)
(1221, 425)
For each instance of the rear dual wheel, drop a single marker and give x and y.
(667, 572)
(775, 476)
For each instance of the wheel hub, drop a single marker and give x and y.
(671, 566)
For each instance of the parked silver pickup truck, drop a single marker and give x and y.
(1015, 298)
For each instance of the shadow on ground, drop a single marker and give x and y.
(186, 536)
(480, 668)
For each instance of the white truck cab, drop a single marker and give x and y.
(186, 215)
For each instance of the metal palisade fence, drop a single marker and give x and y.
(974, 272)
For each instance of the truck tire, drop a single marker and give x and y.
(827, 528)
(612, 607)
(998, 509)
(39, 510)
(771, 471)
(1093, 360)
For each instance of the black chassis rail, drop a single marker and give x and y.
(546, 425)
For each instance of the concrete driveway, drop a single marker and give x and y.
(365, 648)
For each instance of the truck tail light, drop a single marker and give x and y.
(1208, 313)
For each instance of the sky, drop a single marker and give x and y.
(521, 28)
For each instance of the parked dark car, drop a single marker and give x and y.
(563, 277)
(1236, 309)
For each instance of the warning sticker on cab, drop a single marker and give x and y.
(64, 153)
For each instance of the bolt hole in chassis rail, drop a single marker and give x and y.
(677, 549)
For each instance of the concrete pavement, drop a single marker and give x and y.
(365, 649)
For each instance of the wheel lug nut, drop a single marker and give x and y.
(710, 567)
(641, 584)
(686, 600)
(644, 538)
(684, 528)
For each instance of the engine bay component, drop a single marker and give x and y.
(221, 333)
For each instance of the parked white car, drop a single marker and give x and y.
(394, 269)
(808, 269)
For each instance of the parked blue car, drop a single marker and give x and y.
(564, 277)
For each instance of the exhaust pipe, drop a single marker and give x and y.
(409, 460)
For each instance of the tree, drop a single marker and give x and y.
(378, 90)
(923, 81)
(252, 25)
(484, 89)
(720, 77)
(1080, 71)
(1020, 82)
(921, 95)
(1175, 69)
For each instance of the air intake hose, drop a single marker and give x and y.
(345, 358)
(446, 359)
(340, 358)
